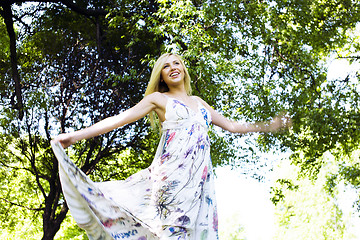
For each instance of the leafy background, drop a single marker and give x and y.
(67, 64)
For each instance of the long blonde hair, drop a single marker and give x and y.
(156, 85)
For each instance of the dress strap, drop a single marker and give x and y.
(194, 98)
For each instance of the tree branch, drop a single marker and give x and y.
(355, 57)
(83, 11)
(18, 205)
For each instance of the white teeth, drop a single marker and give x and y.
(174, 74)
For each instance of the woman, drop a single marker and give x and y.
(172, 199)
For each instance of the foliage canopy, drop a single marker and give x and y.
(66, 65)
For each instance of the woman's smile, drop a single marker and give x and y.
(174, 74)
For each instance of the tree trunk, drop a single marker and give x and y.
(8, 19)
(51, 225)
(51, 219)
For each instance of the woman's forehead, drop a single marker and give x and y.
(171, 58)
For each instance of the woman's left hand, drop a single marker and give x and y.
(279, 122)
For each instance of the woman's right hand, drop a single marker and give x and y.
(65, 139)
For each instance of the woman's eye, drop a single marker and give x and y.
(166, 66)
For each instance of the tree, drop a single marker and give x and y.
(305, 209)
(7, 14)
(70, 75)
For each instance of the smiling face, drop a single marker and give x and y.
(172, 72)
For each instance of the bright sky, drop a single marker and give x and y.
(245, 201)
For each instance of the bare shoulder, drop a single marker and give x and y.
(155, 95)
(157, 98)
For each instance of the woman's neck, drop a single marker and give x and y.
(178, 91)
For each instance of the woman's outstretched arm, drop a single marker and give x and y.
(146, 105)
(278, 122)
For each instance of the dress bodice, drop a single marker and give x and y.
(179, 115)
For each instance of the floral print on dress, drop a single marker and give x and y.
(172, 199)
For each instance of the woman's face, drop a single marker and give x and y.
(172, 72)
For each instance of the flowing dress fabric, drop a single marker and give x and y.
(174, 198)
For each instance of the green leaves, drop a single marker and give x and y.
(319, 208)
(248, 59)
(21, 200)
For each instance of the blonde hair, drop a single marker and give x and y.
(156, 85)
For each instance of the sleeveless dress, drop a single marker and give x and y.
(174, 198)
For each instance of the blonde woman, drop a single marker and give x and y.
(174, 198)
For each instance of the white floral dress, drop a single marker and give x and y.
(174, 198)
